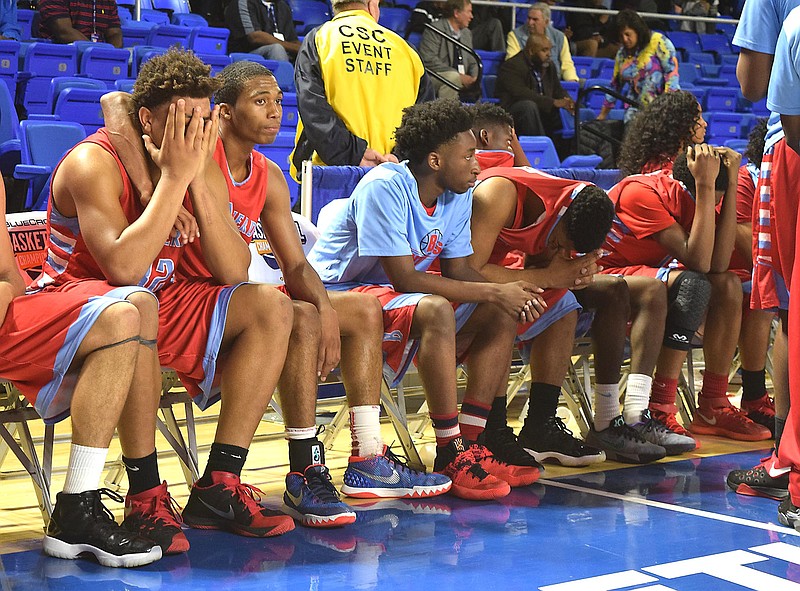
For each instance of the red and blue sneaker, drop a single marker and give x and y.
(386, 476)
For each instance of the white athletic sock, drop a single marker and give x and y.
(85, 468)
(606, 405)
(637, 397)
(294, 434)
(365, 429)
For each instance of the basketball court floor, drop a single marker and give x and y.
(665, 526)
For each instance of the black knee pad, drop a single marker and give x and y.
(688, 299)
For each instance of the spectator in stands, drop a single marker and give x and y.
(401, 219)
(528, 87)
(425, 12)
(592, 34)
(9, 27)
(90, 346)
(338, 81)
(646, 64)
(213, 333)
(539, 23)
(66, 21)
(447, 59)
(263, 28)
(658, 220)
(697, 8)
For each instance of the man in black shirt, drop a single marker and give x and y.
(262, 27)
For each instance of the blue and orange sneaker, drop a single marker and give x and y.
(386, 476)
(313, 500)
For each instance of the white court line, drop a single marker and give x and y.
(781, 529)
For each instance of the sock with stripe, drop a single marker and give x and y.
(223, 458)
(445, 427)
(472, 419)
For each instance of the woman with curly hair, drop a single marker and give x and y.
(645, 62)
(663, 130)
(677, 222)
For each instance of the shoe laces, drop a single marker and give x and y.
(766, 407)
(468, 462)
(652, 424)
(320, 484)
(670, 421)
(507, 446)
(628, 432)
(163, 509)
(400, 462)
(100, 510)
(248, 494)
(556, 428)
(736, 414)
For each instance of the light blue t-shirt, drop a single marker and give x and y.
(758, 30)
(784, 80)
(384, 218)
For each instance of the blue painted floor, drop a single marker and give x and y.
(661, 527)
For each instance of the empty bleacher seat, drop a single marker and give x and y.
(136, 33)
(209, 40)
(29, 23)
(715, 43)
(584, 66)
(491, 60)
(43, 61)
(168, 35)
(81, 105)
(188, 20)
(104, 63)
(283, 72)
(155, 16)
(572, 88)
(172, 6)
(124, 84)
(685, 41)
(9, 133)
(43, 145)
(540, 151)
(308, 14)
(290, 114)
(142, 53)
(395, 19)
(279, 152)
(59, 83)
(9, 64)
(604, 68)
(488, 83)
(725, 126)
(724, 99)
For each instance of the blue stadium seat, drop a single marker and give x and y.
(172, 6)
(685, 41)
(9, 133)
(414, 39)
(188, 20)
(237, 56)
(81, 105)
(43, 61)
(284, 74)
(728, 73)
(689, 72)
(168, 35)
(290, 115)
(724, 99)
(279, 152)
(540, 151)
(209, 40)
(725, 126)
(43, 145)
(759, 108)
(9, 64)
(488, 83)
(584, 66)
(155, 16)
(124, 84)
(730, 59)
(700, 93)
(125, 14)
(105, 63)
(491, 60)
(217, 62)
(395, 19)
(572, 88)
(309, 14)
(595, 100)
(738, 145)
(604, 68)
(715, 43)
(136, 33)
(59, 83)
(700, 57)
(29, 23)
(142, 53)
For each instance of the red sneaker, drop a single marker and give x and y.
(154, 515)
(470, 480)
(667, 415)
(761, 411)
(234, 506)
(728, 421)
(514, 475)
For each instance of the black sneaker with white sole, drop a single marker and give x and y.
(82, 525)
(552, 441)
(623, 443)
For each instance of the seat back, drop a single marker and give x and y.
(584, 66)
(59, 83)
(188, 20)
(284, 74)
(491, 60)
(210, 40)
(155, 16)
(723, 126)
(166, 35)
(9, 121)
(105, 63)
(309, 14)
(290, 113)
(9, 63)
(217, 62)
(29, 23)
(723, 99)
(43, 144)
(264, 266)
(395, 19)
(172, 6)
(81, 105)
(540, 151)
(685, 41)
(135, 33)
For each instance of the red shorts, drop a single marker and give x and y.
(398, 313)
(191, 322)
(39, 338)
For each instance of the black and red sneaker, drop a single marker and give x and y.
(154, 515)
(507, 459)
(234, 506)
(765, 479)
(470, 480)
